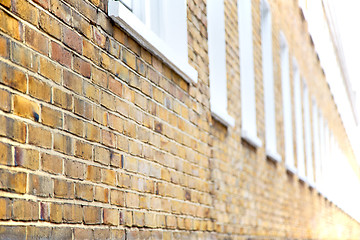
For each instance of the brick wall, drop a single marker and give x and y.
(100, 139)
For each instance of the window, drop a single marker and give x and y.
(248, 103)
(308, 142)
(316, 138)
(299, 124)
(160, 26)
(322, 153)
(287, 110)
(217, 62)
(268, 80)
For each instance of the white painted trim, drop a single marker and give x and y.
(273, 155)
(251, 139)
(223, 117)
(149, 40)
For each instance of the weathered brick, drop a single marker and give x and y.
(84, 192)
(133, 46)
(40, 185)
(83, 108)
(115, 86)
(98, 77)
(120, 36)
(99, 38)
(108, 176)
(36, 40)
(51, 163)
(115, 123)
(92, 215)
(72, 82)
(108, 138)
(39, 89)
(83, 233)
(91, 92)
(4, 47)
(39, 136)
(102, 155)
(56, 212)
(129, 58)
(13, 181)
(5, 100)
(35, 232)
(43, 3)
(12, 77)
(72, 213)
(62, 99)
(21, 55)
(74, 169)
(107, 100)
(63, 189)
(102, 233)
(114, 48)
(50, 70)
(116, 160)
(60, 54)
(25, 210)
(117, 197)
(101, 194)
(100, 116)
(59, 233)
(28, 158)
(26, 108)
(50, 25)
(5, 209)
(72, 39)
(82, 67)
(139, 219)
(111, 216)
(83, 150)
(92, 132)
(73, 125)
(6, 154)
(51, 117)
(61, 10)
(82, 25)
(10, 25)
(26, 11)
(63, 143)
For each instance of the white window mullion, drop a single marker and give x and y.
(287, 109)
(316, 135)
(308, 141)
(217, 62)
(268, 81)
(247, 75)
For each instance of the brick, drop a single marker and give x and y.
(4, 47)
(87, 10)
(35, 232)
(98, 77)
(129, 58)
(50, 70)
(101, 234)
(43, 3)
(26, 11)
(26, 108)
(51, 117)
(139, 219)
(114, 48)
(111, 216)
(133, 46)
(82, 67)
(82, 25)
(63, 143)
(102, 155)
(6, 3)
(39, 136)
(115, 123)
(108, 138)
(99, 38)
(27, 158)
(100, 116)
(62, 99)
(83, 233)
(13, 77)
(72, 39)
(74, 169)
(63, 189)
(73, 125)
(115, 86)
(61, 10)
(11, 26)
(50, 25)
(5, 100)
(108, 176)
(84, 192)
(72, 213)
(91, 92)
(92, 215)
(59, 233)
(6, 154)
(101, 194)
(93, 173)
(40, 185)
(116, 160)
(92, 132)
(5, 209)
(51, 163)
(117, 198)
(132, 200)
(122, 143)
(72, 82)
(83, 108)
(107, 100)
(120, 36)
(39, 89)
(37, 41)
(21, 55)
(25, 210)
(13, 181)
(56, 212)
(122, 72)
(60, 54)
(83, 150)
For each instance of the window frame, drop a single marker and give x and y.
(308, 139)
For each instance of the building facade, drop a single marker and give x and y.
(192, 119)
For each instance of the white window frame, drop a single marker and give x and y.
(247, 74)
(308, 140)
(172, 46)
(320, 184)
(217, 62)
(287, 106)
(268, 81)
(299, 123)
(316, 137)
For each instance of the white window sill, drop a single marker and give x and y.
(311, 184)
(149, 40)
(252, 140)
(303, 178)
(273, 155)
(223, 117)
(291, 169)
